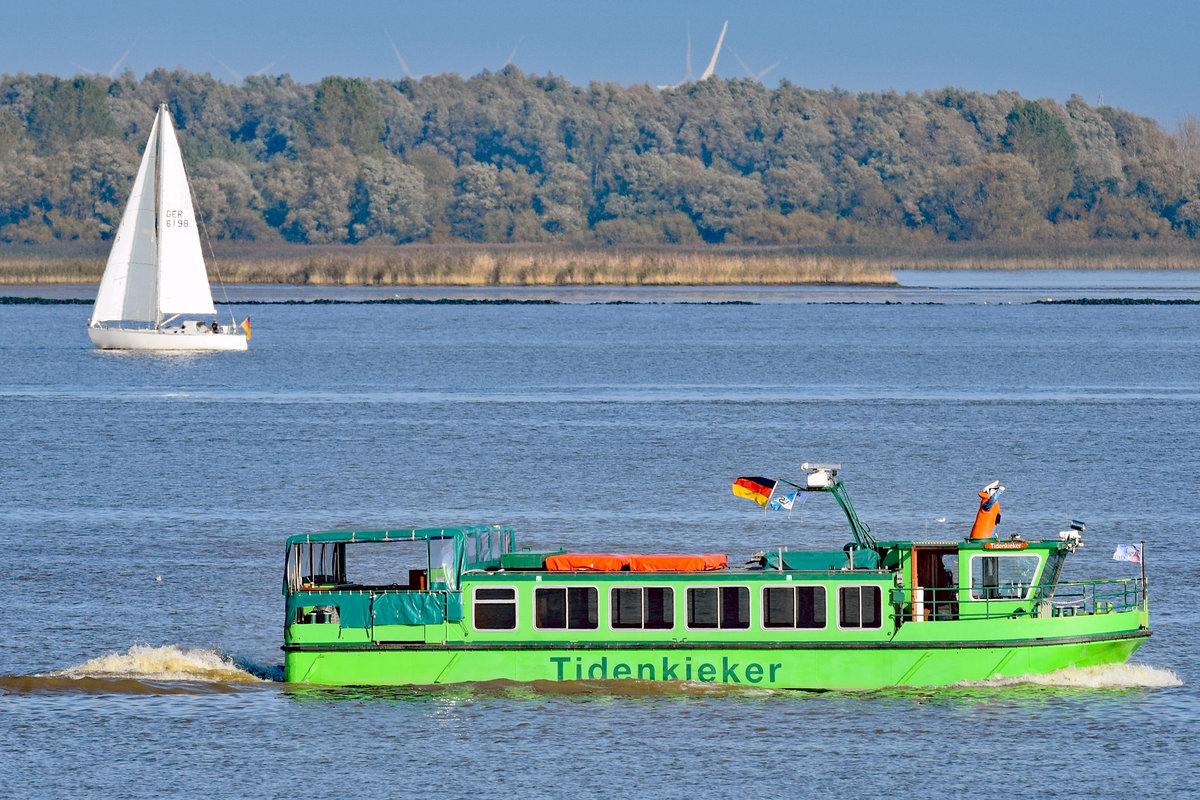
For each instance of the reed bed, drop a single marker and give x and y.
(48, 269)
(1035, 261)
(471, 266)
(467, 265)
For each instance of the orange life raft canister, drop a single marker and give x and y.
(989, 512)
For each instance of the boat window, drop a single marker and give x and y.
(996, 577)
(495, 608)
(316, 564)
(647, 607)
(441, 563)
(859, 607)
(718, 607)
(566, 607)
(486, 546)
(388, 564)
(794, 607)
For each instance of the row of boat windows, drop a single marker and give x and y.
(653, 607)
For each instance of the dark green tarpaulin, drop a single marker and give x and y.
(408, 608)
(864, 558)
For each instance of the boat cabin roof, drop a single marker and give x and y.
(462, 532)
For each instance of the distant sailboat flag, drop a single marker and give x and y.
(757, 489)
(246, 327)
(1128, 552)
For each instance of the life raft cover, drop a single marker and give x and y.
(614, 562)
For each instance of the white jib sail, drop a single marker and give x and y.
(182, 282)
(127, 288)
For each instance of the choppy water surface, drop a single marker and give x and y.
(144, 501)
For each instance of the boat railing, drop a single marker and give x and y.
(1064, 599)
(1096, 596)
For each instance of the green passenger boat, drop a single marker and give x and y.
(472, 607)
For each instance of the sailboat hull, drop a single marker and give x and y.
(181, 338)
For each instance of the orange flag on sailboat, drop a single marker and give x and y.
(246, 327)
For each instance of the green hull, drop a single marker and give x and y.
(813, 667)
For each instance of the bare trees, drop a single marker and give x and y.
(513, 157)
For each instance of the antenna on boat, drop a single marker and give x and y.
(1074, 536)
(820, 476)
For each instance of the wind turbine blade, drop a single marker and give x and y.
(749, 72)
(763, 74)
(687, 60)
(261, 70)
(513, 54)
(399, 57)
(113, 70)
(236, 76)
(712, 63)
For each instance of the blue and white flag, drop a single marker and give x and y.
(1128, 552)
(786, 502)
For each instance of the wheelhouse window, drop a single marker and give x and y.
(568, 607)
(718, 607)
(645, 607)
(495, 608)
(794, 607)
(859, 607)
(1003, 577)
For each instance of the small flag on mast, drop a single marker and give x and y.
(246, 327)
(1128, 552)
(786, 502)
(757, 489)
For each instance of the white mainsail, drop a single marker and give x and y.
(156, 267)
(127, 289)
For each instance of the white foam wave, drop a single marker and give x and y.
(1105, 676)
(166, 663)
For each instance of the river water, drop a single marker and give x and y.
(144, 501)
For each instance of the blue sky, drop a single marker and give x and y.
(1140, 57)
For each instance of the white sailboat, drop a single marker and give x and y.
(155, 278)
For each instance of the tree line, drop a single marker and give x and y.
(510, 157)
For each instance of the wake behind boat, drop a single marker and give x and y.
(461, 604)
(155, 284)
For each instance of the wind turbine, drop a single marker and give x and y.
(511, 55)
(400, 58)
(112, 71)
(237, 76)
(758, 76)
(712, 62)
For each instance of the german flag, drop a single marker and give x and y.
(757, 489)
